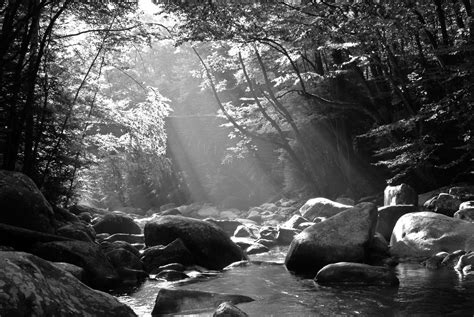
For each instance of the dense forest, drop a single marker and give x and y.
(124, 104)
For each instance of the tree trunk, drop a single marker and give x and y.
(442, 21)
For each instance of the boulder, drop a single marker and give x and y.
(130, 238)
(356, 273)
(321, 207)
(117, 223)
(421, 235)
(23, 205)
(243, 242)
(208, 211)
(465, 260)
(98, 271)
(286, 235)
(167, 206)
(31, 286)
(229, 214)
(445, 204)
(172, 266)
(171, 275)
(121, 258)
(268, 233)
(170, 301)
(388, 217)
(74, 270)
(465, 214)
(171, 212)
(467, 205)
(243, 231)
(22, 239)
(77, 231)
(305, 225)
(462, 192)
(434, 262)
(267, 242)
(452, 259)
(255, 215)
(256, 248)
(174, 252)
(341, 238)
(228, 310)
(400, 195)
(228, 226)
(294, 222)
(63, 217)
(107, 246)
(78, 209)
(210, 246)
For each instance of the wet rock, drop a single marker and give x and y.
(255, 215)
(172, 266)
(268, 233)
(286, 235)
(452, 259)
(465, 260)
(117, 223)
(85, 217)
(130, 238)
(256, 248)
(400, 195)
(444, 204)
(229, 226)
(466, 214)
(98, 271)
(210, 246)
(468, 270)
(74, 270)
(467, 205)
(122, 258)
(77, 231)
(421, 235)
(434, 262)
(174, 252)
(31, 286)
(356, 273)
(305, 225)
(169, 301)
(343, 237)
(107, 246)
(23, 205)
(266, 242)
(172, 275)
(388, 217)
(243, 232)
(294, 222)
(321, 207)
(228, 310)
(243, 242)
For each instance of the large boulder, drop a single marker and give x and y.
(445, 204)
(99, 272)
(23, 205)
(321, 207)
(170, 301)
(465, 214)
(341, 238)
(421, 235)
(117, 223)
(77, 231)
(22, 239)
(356, 273)
(174, 252)
(210, 245)
(388, 217)
(400, 195)
(30, 286)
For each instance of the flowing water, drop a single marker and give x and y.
(421, 292)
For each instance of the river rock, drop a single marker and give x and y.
(465, 214)
(294, 222)
(228, 310)
(64, 217)
(229, 226)
(117, 223)
(22, 239)
(174, 252)
(170, 301)
(121, 258)
(129, 238)
(255, 215)
(31, 286)
(345, 201)
(98, 271)
(467, 205)
(286, 235)
(388, 217)
(445, 204)
(400, 195)
(420, 235)
(210, 246)
(434, 262)
(243, 232)
(256, 248)
(321, 207)
(107, 246)
(74, 270)
(78, 209)
(462, 192)
(343, 237)
(356, 273)
(171, 212)
(172, 275)
(465, 260)
(208, 211)
(77, 231)
(23, 205)
(452, 259)
(172, 266)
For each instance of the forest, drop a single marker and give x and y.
(140, 104)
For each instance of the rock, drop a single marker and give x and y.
(434, 262)
(98, 271)
(78, 209)
(321, 207)
(130, 238)
(172, 275)
(174, 252)
(266, 242)
(167, 206)
(170, 301)
(208, 211)
(74, 270)
(255, 215)
(467, 205)
(345, 201)
(228, 310)
(107, 246)
(462, 192)
(294, 222)
(378, 244)
(343, 237)
(256, 248)
(23, 205)
(465, 260)
(172, 266)
(388, 217)
(77, 231)
(468, 270)
(400, 195)
(210, 246)
(63, 217)
(452, 259)
(305, 225)
(420, 235)
(171, 212)
(31, 286)
(117, 223)
(101, 236)
(122, 258)
(444, 204)
(268, 233)
(22, 239)
(229, 226)
(356, 273)
(243, 232)
(229, 214)
(466, 214)
(243, 242)
(286, 235)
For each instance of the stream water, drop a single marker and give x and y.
(421, 292)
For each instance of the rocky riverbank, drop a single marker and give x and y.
(59, 262)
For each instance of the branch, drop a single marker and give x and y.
(98, 30)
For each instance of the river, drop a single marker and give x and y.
(422, 292)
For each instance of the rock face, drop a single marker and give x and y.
(30, 286)
(388, 217)
(98, 271)
(356, 273)
(421, 235)
(400, 195)
(169, 301)
(23, 205)
(117, 223)
(341, 238)
(210, 246)
(321, 207)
